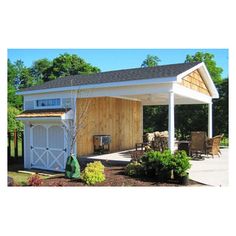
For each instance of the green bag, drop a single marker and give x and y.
(72, 168)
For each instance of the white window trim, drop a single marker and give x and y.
(46, 107)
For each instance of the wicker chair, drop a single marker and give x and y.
(213, 145)
(198, 143)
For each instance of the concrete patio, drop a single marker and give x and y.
(211, 171)
(120, 158)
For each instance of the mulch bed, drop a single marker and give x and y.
(115, 176)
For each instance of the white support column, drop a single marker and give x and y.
(210, 120)
(171, 122)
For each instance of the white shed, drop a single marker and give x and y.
(48, 106)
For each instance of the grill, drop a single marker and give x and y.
(101, 143)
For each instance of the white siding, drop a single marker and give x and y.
(29, 105)
(68, 102)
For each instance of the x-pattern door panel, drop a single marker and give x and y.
(48, 147)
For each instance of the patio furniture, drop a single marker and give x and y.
(197, 145)
(183, 145)
(136, 155)
(141, 146)
(213, 145)
(101, 143)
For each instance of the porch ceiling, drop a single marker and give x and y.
(163, 99)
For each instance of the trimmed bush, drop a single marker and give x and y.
(182, 163)
(134, 169)
(160, 165)
(93, 173)
(156, 163)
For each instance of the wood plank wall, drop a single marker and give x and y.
(194, 81)
(117, 117)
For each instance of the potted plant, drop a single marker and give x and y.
(181, 166)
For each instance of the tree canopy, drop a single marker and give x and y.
(151, 61)
(208, 59)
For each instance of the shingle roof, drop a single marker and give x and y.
(116, 76)
(43, 113)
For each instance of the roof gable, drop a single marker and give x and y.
(195, 82)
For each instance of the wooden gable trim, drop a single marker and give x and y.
(194, 81)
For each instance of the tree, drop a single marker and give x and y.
(151, 61)
(13, 100)
(67, 64)
(23, 77)
(221, 109)
(40, 69)
(11, 119)
(155, 118)
(208, 59)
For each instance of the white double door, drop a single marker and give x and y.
(48, 147)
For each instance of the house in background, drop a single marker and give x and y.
(116, 100)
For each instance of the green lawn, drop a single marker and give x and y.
(22, 178)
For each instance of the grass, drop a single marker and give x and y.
(21, 178)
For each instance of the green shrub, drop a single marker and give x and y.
(166, 161)
(93, 173)
(155, 162)
(181, 164)
(134, 169)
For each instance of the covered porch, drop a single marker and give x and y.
(193, 86)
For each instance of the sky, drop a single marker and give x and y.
(115, 59)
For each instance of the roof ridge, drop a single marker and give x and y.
(160, 71)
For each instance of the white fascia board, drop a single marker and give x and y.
(25, 119)
(126, 91)
(127, 98)
(183, 74)
(209, 81)
(206, 77)
(192, 94)
(102, 85)
(50, 95)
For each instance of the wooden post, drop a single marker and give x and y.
(9, 145)
(16, 143)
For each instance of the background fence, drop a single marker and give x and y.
(15, 147)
